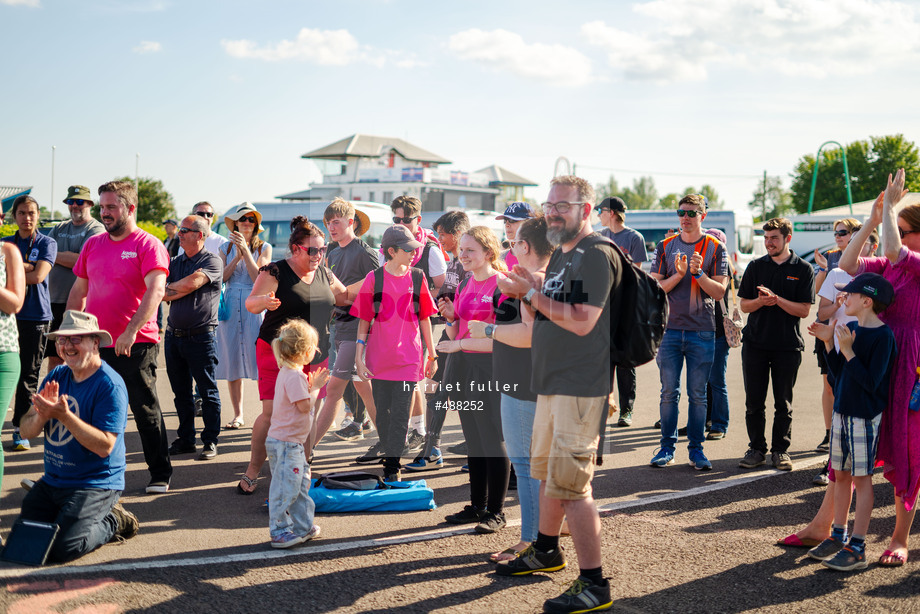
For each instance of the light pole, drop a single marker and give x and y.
(137, 163)
(53, 148)
(846, 174)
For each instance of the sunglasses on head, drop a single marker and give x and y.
(841, 233)
(185, 230)
(205, 213)
(903, 233)
(313, 251)
(71, 202)
(248, 218)
(404, 220)
(690, 213)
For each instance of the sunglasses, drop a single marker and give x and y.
(208, 214)
(601, 209)
(692, 213)
(248, 218)
(841, 233)
(408, 250)
(404, 220)
(76, 202)
(185, 230)
(74, 340)
(903, 233)
(312, 251)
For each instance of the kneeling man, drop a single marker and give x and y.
(82, 408)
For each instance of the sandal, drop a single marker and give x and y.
(794, 541)
(235, 424)
(894, 559)
(249, 482)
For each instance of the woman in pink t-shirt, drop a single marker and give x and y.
(475, 394)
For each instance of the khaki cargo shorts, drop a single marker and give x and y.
(566, 431)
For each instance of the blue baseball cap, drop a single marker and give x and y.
(517, 212)
(872, 285)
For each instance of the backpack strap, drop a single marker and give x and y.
(418, 278)
(378, 291)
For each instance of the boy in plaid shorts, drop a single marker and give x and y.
(860, 356)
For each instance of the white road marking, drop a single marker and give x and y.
(320, 548)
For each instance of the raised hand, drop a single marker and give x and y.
(820, 260)
(824, 332)
(318, 378)
(696, 263)
(877, 212)
(845, 339)
(680, 264)
(895, 191)
(446, 308)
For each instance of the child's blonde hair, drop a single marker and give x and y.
(295, 340)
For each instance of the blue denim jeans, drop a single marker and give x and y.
(84, 516)
(290, 507)
(698, 348)
(188, 359)
(517, 426)
(718, 388)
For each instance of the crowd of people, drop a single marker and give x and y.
(510, 338)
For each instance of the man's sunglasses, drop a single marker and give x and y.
(404, 220)
(208, 214)
(185, 230)
(312, 251)
(691, 213)
(248, 218)
(841, 233)
(77, 202)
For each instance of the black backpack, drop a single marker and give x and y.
(352, 480)
(636, 334)
(418, 278)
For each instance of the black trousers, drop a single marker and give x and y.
(626, 387)
(139, 370)
(394, 403)
(31, 355)
(759, 367)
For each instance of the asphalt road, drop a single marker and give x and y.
(675, 540)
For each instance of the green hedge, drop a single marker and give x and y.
(151, 227)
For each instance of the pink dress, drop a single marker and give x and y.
(899, 433)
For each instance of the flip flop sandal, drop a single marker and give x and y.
(249, 482)
(235, 424)
(794, 541)
(899, 559)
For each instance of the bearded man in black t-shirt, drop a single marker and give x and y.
(571, 333)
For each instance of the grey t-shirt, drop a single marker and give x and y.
(69, 238)
(630, 241)
(350, 264)
(689, 307)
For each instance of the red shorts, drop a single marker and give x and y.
(268, 371)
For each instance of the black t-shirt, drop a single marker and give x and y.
(563, 362)
(311, 303)
(770, 327)
(510, 365)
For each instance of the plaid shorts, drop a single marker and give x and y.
(854, 442)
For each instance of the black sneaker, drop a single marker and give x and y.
(531, 560)
(625, 418)
(181, 447)
(391, 476)
(208, 452)
(157, 487)
(491, 523)
(127, 522)
(658, 424)
(352, 432)
(825, 445)
(826, 549)
(682, 431)
(822, 478)
(373, 456)
(582, 596)
(468, 515)
(752, 458)
(415, 442)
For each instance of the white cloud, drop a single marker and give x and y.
(30, 3)
(811, 38)
(506, 51)
(148, 47)
(322, 47)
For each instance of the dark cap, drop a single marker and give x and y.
(78, 192)
(400, 237)
(517, 212)
(872, 285)
(171, 221)
(614, 203)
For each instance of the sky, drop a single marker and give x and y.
(220, 98)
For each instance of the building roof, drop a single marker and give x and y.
(368, 146)
(317, 193)
(864, 207)
(13, 191)
(502, 176)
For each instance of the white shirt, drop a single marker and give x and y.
(828, 291)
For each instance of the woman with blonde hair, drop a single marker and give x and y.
(243, 255)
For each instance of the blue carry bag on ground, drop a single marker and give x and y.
(366, 496)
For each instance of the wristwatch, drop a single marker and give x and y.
(489, 329)
(526, 298)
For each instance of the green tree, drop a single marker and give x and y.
(669, 201)
(771, 200)
(154, 203)
(869, 163)
(642, 194)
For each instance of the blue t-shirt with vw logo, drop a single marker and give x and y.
(101, 400)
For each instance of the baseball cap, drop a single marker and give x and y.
(872, 285)
(400, 237)
(614, 203)
(517, 212)
(171, 221)
(78, 192)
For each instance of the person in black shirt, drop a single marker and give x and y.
(777, 290)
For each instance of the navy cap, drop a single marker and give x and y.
(872, 285)
(517, 212)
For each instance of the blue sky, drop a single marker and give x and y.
(221, 97)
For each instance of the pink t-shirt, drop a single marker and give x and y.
(474, 303)
(288, 422)
(115, 272)
(510, 259)
(394, 345)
